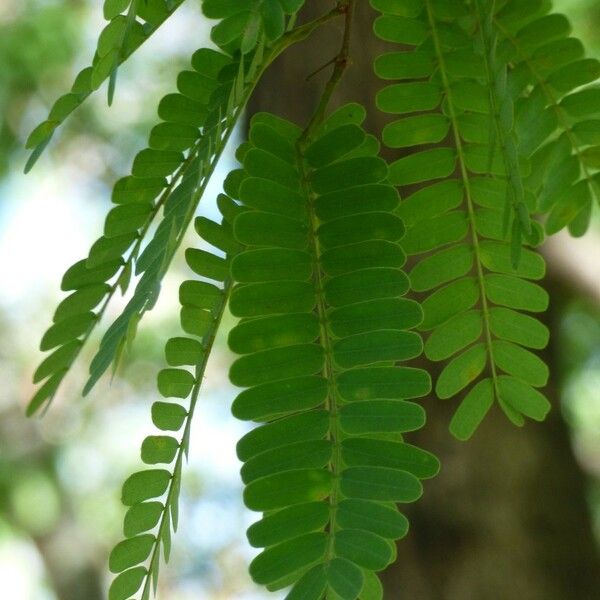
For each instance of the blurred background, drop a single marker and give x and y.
(513, 515)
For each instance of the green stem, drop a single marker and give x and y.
(468, 195)
(165, 521)
(129, 262)
(345, 7)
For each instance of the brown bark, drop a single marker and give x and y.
(506, 519)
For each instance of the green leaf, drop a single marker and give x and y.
(270, 298)
(400, 30)
(310, 586)
(267, 401)
(381, 484)
(81, 301)
(168, 416)
(59, 360)
(472, 410)
(512, 326)
(364, 285)
(66, 330)
(376, 346)
(288, 488)
(312, 425)
(206, 264)
(364, 255)
(423, 166)
(409, 97)
(196, 321)
(449, 301)
(288, 523)
(176, 383)
(372, 588)
(200, 294)
(520, 363)
(523, 398)
(366, 515)
(271, 197)
(142, 517)
(454, 335)
(359, 228)
(356, 200)
(383, 382)
(363, 548)
(515, 293)
(263, 229)
(277, 363)
(127, 583)
(182, 351)
(441, 267)
(428, 235)
(273, 332)
(156, 163)
(334, 145)
(349, 173)
(344, 578)
(159, 449)
(310, 454)
(271, 264)
(127, 218)
(411, 131)
(362, 452)
(130, 552)
(461, 371)
(145, 485)
(286, 558)
(381, 416)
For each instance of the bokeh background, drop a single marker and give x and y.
(60, 476)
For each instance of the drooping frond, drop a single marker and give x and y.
(171, 175)
(548, 68)
(164, 176)
(456, 218)
(123, 35)
(319, 292)
(153, 495)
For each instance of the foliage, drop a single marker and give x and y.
(499, 147)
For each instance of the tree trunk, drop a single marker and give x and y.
(506, 519)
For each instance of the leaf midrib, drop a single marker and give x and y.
(468, 196)
(329, 370)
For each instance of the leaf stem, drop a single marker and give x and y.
(468, 195)
(172, 495)
(346, 8)
(340, 63)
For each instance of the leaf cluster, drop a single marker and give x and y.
(495, 124)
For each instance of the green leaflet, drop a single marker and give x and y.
(548, 69)
(153, 495)
(319, 289)
(469, 219)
